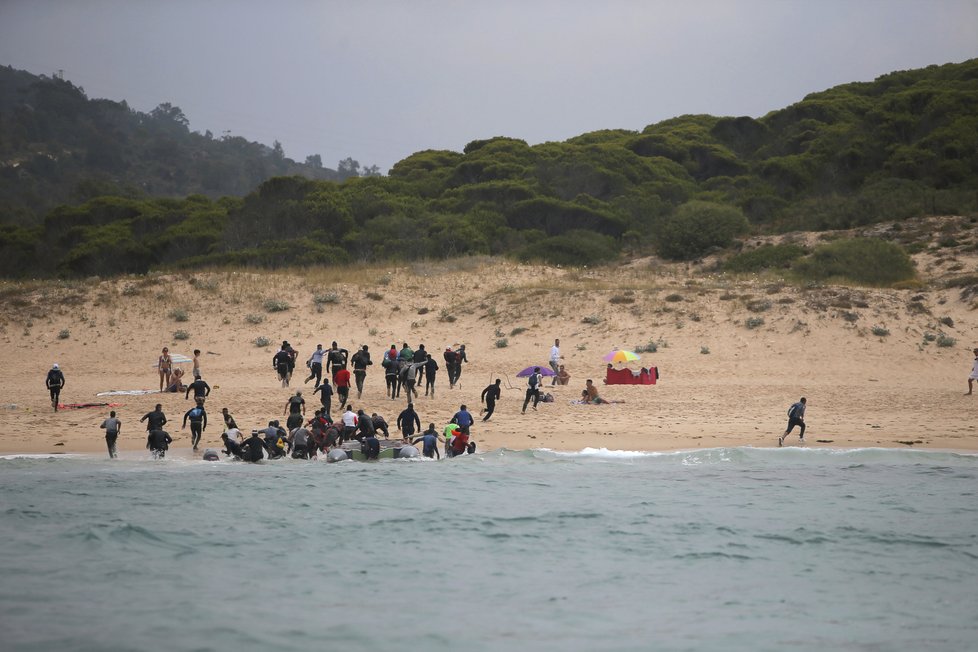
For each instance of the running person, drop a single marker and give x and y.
(361, 360)
(325, 392)
(158, 441)
(533, 389)
(201, 390)
(408, 421)
(280, 363)
(198, 423)
(341, 377)
(796, 417)
(155, 420)
(295, 407)
(315, 364)
(430, 371)
(336, 360)
(55, 382)
(112, 427)
(490, 395)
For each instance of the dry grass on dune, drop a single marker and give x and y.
(880, 366)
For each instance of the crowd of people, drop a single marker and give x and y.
(406, 370)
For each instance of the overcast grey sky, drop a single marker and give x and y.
(380, 80)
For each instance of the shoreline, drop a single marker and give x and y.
(723, 383)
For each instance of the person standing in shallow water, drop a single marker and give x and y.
(112, 427)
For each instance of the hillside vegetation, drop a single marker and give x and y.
(904, 145)
(58, 146)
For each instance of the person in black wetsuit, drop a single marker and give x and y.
(155, 420)
(158, 441)
(430, 370)
(460, 357)
(420, 357)
(253, 449)
(365, 426)
(295, 407)
(280, 363)
(198, 423)
(408, 421)
(55, 382)
(232, 448)
(336, 360)
(490, 395)
(369, 445)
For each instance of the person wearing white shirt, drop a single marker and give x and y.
(555, 361)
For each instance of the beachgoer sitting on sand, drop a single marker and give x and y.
(176, 381)
(563, 376)
(592, 392)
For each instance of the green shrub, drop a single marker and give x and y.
(178, 314)
(754, 322)
(254, 319)
(705, 350)
(947, 321)
(262, 341)
(64, 334)
(276, 305)
(944, 341)
(516, 331)
(574, 248)
(327, 297)
(181, 335)
(591, 319)
(375, 296)
(879, 331)
(759, 305)
(765, 257)
(868, 261)
(697, 227)
(502, 343)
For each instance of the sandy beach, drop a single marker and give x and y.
(722, 382)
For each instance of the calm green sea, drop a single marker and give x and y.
(724, 549)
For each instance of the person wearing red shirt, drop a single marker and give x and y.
(342, 379)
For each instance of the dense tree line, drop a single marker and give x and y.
(903, 145)
(58, 146)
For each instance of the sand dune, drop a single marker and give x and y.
(722, 383)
